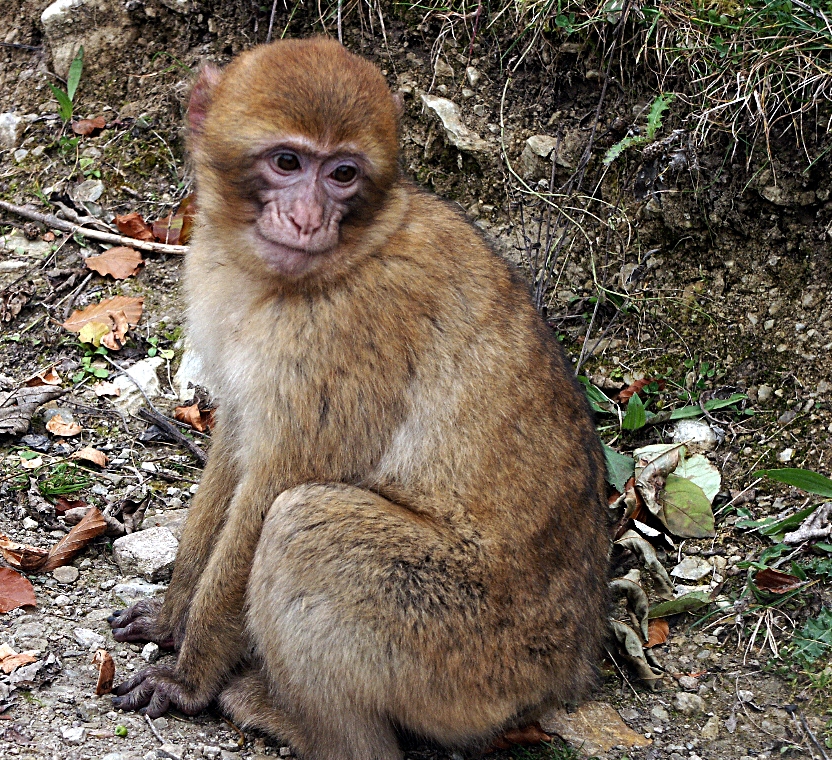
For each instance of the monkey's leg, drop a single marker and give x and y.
(366, 617)
(150, 620)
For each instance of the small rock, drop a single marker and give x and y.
(88, 191)
(473, 76)
(172, 519)
(786, 417)
(824, 387)
(785, 455)
(710, 730)
(660, 713)
(144, 373)
(191, 373)
(61, 600)
(150, 652)
(88, 638)
(689, 683)
(211, 752)
(764, 393)
(171, 751)
(160, 724)
(66, 574)
(629, 713)
(30, 524)
(688, 704)
(697, 435)
(745, 695)
(148, 553)
(74, 734)
(11, 129)
(457, 133)
(443, 68)
(228, 755)
(20, 154)
(692, 569)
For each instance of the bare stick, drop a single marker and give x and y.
(105, 237)
(162, 422)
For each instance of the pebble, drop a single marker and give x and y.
(688, 704)
(160, 724)
(88, 638)
(764, 393)
(150, 652)
(629, 713)
(660, 713)
(74, 734)
(473, 76)
(148, 553)
(692, 569)
(134, 589)
(210, 751)
(170, 751)
(30, 524)
(61, 600)
(745, 695)
(689, 683)
(696, 434)
(785, 455)
(66, 574)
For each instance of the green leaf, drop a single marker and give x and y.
(100, 372)
(654, 118)
(64, 103)
(616, 150)
(686, 603)
(619, 468)
(699, 470)
(778, 529)
(687, 412)
(166, 354)
(686, 511)
(805, 480)
(636, 416)
(74, 76)
(815, 640)
(597, 399)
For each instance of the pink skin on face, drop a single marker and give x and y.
(306, 196)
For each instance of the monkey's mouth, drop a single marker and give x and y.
(287, 260)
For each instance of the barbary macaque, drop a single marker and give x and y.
(401, 526)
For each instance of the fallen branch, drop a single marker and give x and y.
(164, 424)
(105, 237)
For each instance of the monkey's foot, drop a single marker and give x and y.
(524, 735)
(154, 690)
(138, 623)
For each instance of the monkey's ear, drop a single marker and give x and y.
(201, 96)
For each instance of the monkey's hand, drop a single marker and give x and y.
(154, 690)
(139, 623)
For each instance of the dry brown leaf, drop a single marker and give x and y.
(198, 419)
(119, 263)
(15, 591)
(73, 542)
(524, 735)
(46, 376)
(106, 389)
(776, 582)
(17, 409)
(22, 556)
(115, 338)
(106, 671)
(175, 229)
(89, 454)
(11, 660)
(57, 425)
(132, 225)
(658, 631)
(86, 127)
(116, 313)
(63, 505)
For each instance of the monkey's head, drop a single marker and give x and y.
(295, 146)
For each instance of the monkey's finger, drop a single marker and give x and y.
(138, 678)
(140, 629)
(147, 608)
(137, 697)
(159, 702)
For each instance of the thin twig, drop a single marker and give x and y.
(155, 417)
(153, 729)
(105, 237)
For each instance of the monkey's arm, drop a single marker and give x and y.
(214, 638)
(149, 620)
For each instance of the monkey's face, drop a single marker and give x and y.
(304, 195)
(295, 150)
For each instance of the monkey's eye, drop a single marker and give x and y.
(286, 162)
(344, 173)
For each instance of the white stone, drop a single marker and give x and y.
(688, 704)
(135, 589)
(785, 455)
(11, 129)
(88, 638)
(697, 435)
(170, 751)
(144, 373)
(150, 652)
(66, 574)
(692, 569)
(473, 75)
(74, 735)
(458, 134)
(88, 191)
(148, 553)
(30, 524)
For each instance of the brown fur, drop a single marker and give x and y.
(401, 525)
